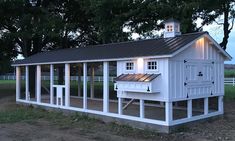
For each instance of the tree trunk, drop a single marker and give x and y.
(224, 42)
(92, 81)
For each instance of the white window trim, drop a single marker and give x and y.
(150, 70)
(125, 65)
(170, 26)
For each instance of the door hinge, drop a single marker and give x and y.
(148, 89)
(116, 87)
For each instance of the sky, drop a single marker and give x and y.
(217, 33)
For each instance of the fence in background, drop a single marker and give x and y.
(73, 78)
(229, 81)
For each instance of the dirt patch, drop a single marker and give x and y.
(64, 128)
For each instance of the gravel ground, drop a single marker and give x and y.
(45, 130)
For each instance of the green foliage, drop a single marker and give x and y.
(20, 114)
(220, 11)
(229, 73)
(229, 92)
(53, 24)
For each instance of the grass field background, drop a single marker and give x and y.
(229, 73)
(8, 87)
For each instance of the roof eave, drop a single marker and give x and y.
(96, 60)
(228, 57)
(186, 46)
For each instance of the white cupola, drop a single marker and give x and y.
(172, 28)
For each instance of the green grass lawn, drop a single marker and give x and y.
(7, 87)
(229, 73)
(229, 92)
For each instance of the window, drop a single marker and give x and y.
(130, 66)
(169, 28)
(152, 65)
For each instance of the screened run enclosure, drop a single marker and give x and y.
(155, 83)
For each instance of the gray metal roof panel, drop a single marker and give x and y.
(137, 77)
(141, 48)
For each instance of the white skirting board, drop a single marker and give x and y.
(116, 115)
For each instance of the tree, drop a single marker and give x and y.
(5, 57)
(220, 11)
(149, 15)
(44, 26)
(109, 18)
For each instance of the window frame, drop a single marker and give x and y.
(170, 28)
(151, 61)
(129, 62)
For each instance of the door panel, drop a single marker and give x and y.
(199, 77)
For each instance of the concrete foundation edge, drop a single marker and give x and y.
(131, 123)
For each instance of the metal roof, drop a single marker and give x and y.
(141, 48)
(137, 77)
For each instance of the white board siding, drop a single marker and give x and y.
(201, 51)
(161, 83)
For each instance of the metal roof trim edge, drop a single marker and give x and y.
(210, 38)
(188, 45)
(229, 58)
(97, 60)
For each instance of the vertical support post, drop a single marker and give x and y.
(38, 79)
(141, 108)
(106, 87)
(168, 112)
(206, 105)
(18, 73)
(27, 83)
(221, 104)
(120, 105)
(189, 108)
(84, 86)
(233, 81)
(67, 85)
(51, 84)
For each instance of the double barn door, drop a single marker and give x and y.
(199, 78)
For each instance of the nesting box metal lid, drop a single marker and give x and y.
(137, 77)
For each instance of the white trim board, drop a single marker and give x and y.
(115, 115)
